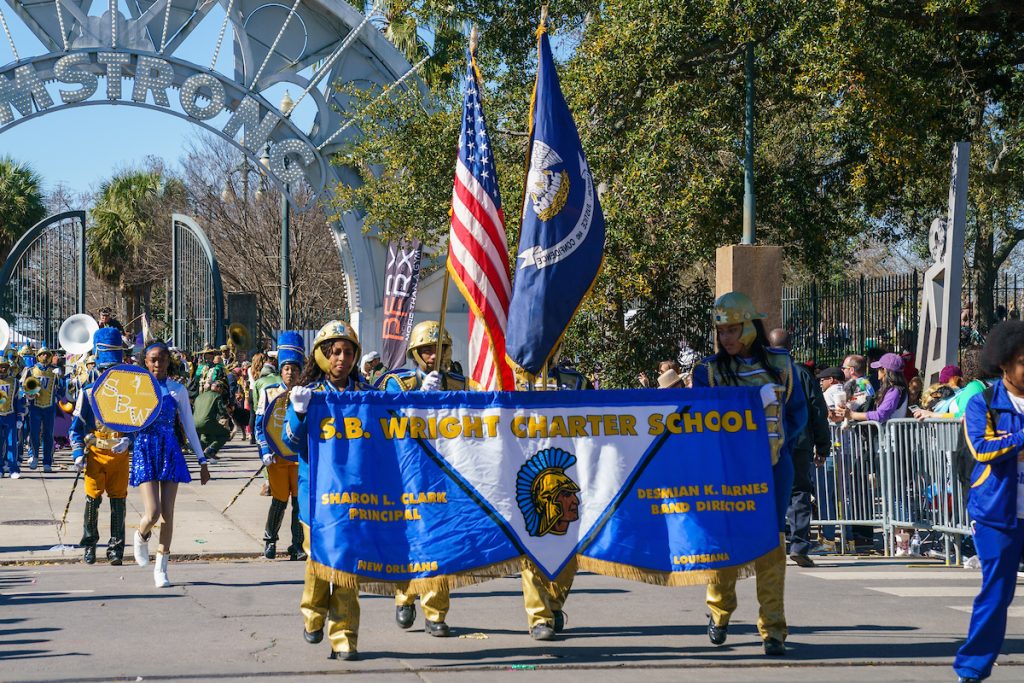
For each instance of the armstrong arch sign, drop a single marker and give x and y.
(99, 56)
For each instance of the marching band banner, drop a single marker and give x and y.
(417, 489)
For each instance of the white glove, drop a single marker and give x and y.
(300, 398)
(268, 459)
(80, 463)
(768, 395)
(122, 445)
(432, 382)
(17, 425)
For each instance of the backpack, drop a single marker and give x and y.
(963, 458)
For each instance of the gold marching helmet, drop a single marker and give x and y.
(424, 336)
(735, 308)
(333, 331)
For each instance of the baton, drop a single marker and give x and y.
(242, 490)
(64, 519)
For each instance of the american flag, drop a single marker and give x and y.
(478, 251)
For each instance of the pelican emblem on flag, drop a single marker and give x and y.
(548, 189)
(546, 495)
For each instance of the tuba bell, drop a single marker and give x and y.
(239, 337)
(75, 333)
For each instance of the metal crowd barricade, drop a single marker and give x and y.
(898, 476)
(925, 492)
(849, 487)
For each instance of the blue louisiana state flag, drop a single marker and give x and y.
(415, 491)
(561, 244)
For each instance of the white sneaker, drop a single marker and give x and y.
(160, 572)
(32, 462)
(15, 475)
(141, 547)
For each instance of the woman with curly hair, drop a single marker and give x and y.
(994, 425)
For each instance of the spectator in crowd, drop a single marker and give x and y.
(859, 391)
(811, 445)
(210, 414)
(1001, 313)
(954, 390)
(908, 343)
(670, 379)
(892, 392)
(873, 355)
(371, 368)
(915, 387)
(995, 434)
(106, 319)
(831, 382)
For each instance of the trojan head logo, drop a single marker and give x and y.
(546, 495)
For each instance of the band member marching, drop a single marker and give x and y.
(158, 464)
(12, 410)
(282, 473)
(41, 387)
(103, 454)
(329, 369)
(745, 359)
(425, 376)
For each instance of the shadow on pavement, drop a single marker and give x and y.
(298, 582)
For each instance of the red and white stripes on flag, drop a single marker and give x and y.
(478, 250)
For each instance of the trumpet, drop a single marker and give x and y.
(33, 386)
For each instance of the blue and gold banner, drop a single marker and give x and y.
(410, 490)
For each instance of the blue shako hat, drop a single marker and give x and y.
(108, 347)
(290, 349)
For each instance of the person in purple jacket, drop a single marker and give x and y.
(891, 401)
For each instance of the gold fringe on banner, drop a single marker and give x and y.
(660, 578)
(378, 586)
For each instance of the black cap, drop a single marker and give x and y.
(831, 373)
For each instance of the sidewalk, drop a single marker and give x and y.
(31, 509)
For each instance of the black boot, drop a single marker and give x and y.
(274, 518)
(90, 530)
(295, 551)
(115, 546)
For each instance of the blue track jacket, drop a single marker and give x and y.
(995, 437)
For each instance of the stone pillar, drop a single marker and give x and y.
(757, 272)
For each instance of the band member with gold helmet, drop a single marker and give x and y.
(745, 359)
(12, 408)
(42, 388)
(103, 454)
(282, 473)
(424, 376)
(329, 368)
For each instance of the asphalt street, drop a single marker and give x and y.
(851, 620)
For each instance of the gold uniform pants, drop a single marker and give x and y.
(106, 473)
(542, 598)
(283, 476)
(435, 603)
(322, 601)
(770, 577)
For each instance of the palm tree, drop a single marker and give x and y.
(406, 23)
(21, 202)
(126, 247)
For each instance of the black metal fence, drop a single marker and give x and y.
(830, 321)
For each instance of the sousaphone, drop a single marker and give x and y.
(75, 334)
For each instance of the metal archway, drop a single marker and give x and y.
(43, 279)
(197, 292)
(98, 56)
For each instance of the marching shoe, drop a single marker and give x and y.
(968, 679)
(802, 560)
(47, 469)
(405, 615)
(90, 554)
(141, 548)
(717, 634)
(32, 462)
(560, 621)
(349, 656)
(542, 632)
(15, 475)
(314, 637)
(773, 647)
(296, 553)
(438, 629)
(270, 550)
(160, 579)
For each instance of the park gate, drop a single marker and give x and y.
(198, 295)
(43, 279)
